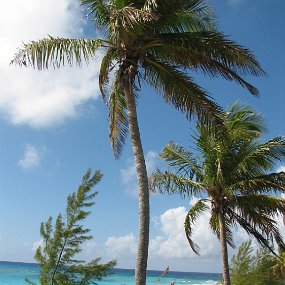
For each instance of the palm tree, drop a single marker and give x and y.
(231, 176)
(156, 42)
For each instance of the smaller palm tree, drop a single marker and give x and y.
(231, 175)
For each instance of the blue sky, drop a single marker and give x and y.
(54, 126)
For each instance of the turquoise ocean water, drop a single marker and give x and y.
(14, 273)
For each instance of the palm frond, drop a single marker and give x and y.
(259, 158)
(272, 182)
(182, 160)
(173, 184)
(195, 60)
(118, 117)
(194, 213)
(224, 55)
(179, 90)
(99, 11)
(214, 225)
(106, 67)
(263, 229)
(57, 52)
(128, 19)
(270, 206)
(242, 120)
(182, 15)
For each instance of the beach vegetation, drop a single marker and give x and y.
(63, 241)
(255, 267)
(155, 42)
(250, 267)
(233, 177)
(277, 270)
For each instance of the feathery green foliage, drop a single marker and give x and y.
(231, 174)
(252, 268)
(277, 270)
(62, 241)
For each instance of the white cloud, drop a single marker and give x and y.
(173, 242)
(129, 176)
(28, 96)
(121, 246)
(31, 157)
(123, 249)
(171, 247)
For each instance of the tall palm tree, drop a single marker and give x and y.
(155, 41)
(231, 176)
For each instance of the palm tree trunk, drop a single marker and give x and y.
(143, 190)
(224, 250)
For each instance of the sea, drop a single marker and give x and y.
(14, 273)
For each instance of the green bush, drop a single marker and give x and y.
(252, 268)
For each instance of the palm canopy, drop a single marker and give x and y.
(232, 175)
(156, 41)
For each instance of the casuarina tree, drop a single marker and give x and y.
(62, 241)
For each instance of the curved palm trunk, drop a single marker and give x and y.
(143, 191)
(224, 250)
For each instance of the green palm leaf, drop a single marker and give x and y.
(57, 52)
(258, 157)
(107, 64)
(273, 182)
(194, 213)
(182, 56)
(265, 231)
(270, 206)
(182, 160)
(215, 227)
(173, 183)
(179, 90)
(182, 15)
(215, 46)
(118, 118)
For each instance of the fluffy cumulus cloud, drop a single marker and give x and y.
(120, 246)
(129, 176)
(43, 98)
(31, 157)
(173, 243)
(123, 249)
(170, 247)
